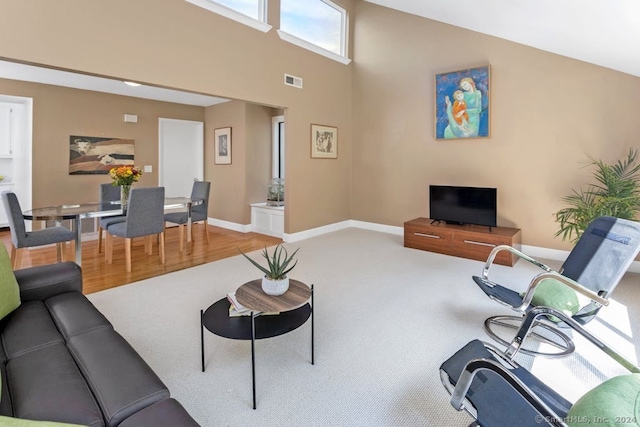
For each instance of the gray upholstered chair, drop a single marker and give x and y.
(21, 238)
(108, 193)
(145, 217)
(200, 191)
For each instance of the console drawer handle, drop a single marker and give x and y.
(427, 235)
(471, 242)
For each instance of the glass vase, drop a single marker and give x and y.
(124, 195)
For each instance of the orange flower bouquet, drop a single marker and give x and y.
(125, 176)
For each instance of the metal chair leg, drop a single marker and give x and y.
(566, 347)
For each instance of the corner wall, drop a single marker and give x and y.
(178, 45)
(548, 113)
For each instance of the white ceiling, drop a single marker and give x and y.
(601, 32)
(15, 71)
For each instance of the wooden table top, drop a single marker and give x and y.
(253, 297)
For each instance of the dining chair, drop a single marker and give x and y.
(108, 193)
(21, 238)
(199, 191)
(145, 217)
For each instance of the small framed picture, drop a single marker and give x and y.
(222, 139)
(324, 142)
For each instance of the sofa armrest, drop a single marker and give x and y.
(44, 281)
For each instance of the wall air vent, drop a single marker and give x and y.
(294, 81)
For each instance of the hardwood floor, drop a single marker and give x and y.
(98, 275)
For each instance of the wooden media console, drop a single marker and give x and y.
(466, 241)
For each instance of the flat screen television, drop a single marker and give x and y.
(463, 205)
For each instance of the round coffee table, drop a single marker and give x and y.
(293, 307)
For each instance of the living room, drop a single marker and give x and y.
(549, 112)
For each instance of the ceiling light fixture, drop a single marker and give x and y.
(134, 84)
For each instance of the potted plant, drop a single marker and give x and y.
(275, 280)
(616, 193)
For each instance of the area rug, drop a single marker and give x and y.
(386, 317)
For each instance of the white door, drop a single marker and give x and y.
(181, 158)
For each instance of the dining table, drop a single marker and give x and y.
(77, 212)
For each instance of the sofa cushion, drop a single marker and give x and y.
(28, 328)
(9, 290)
(5, 399)
(19, 422)
(44, 281)
(166, 413)
(73, 313)
(120, 379)
(45, 384)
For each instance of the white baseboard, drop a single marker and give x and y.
(533, 251)
(242, 228)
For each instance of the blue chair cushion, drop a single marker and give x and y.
(47, 236)
(181, 217)
(110, 220)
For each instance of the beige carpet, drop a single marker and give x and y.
(386, 318)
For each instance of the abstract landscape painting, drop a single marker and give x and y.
(89, 155)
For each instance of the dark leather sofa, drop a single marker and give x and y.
(61, 360)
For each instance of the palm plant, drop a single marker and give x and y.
(616, 193)
(278, 263)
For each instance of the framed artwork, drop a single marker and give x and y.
(324, 142)
(463, 100)
(91, 155)
(222, 139)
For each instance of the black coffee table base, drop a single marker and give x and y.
(216, 320)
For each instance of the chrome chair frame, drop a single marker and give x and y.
(566, 346)
(504, 366)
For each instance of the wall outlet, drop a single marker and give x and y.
(148, 168)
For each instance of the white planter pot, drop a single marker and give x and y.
(275, 287)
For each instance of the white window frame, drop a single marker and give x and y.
(344, 36)
(277, 147)
(214, 7)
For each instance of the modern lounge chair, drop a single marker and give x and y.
(581, 287)
(199, 191)
(108, 193)
(497, 392)
(145, 217)
(21, 238)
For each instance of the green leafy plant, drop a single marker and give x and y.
(278, 262)
(616, 193)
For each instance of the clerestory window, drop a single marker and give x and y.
(315, 23)
(249, 12)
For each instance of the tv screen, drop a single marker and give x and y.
(463, 205)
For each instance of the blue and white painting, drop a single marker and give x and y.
(462, 104)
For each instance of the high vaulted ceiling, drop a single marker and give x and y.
(601, 32)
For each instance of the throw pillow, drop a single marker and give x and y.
(555, 294)
(9, 290)
(19, 422)
(614, 402)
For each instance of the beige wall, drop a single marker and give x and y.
(548, 113)
(178, 45)
(59, 112)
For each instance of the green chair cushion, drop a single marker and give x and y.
(19, 422)
(9, 290)
(615, 402)
(555, 294)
